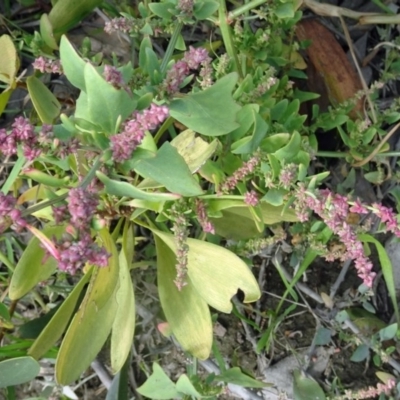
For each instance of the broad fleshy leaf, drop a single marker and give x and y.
(92, 323)
(9, 61)
(44, 101)
(170, 169)
(67, 13)
(216, 273)
(124, 324)
(102, 104)
(187, 313)
(73, 65)
(18, 370)
(57, 325)
(305, 388)
(211, 112)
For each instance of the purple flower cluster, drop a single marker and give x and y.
(246, 169)
(192, 60)
(186, 6)
(113, 76)
(74, 251)
(251, 198)
(371, 392)
(202, 217)
(123, 144)
(74, 254)
(334, 210)
(47, 65)
(121, 24)
(9, 214)
(180, 229)
(34, 144)
(23, 134)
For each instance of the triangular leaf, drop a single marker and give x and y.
(216, 273)
(170, 169)
(103, 104)
(158, 385)
(211, 112)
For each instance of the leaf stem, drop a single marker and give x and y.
(226, 33)
(171, 47)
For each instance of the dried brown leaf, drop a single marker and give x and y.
(329, 61)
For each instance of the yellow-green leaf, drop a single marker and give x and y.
(45, 103)
(9, 62)
(55, 328)
(92, 323)
(31, 269)
(216, 273)
(186, 312)
(124, 324)
(194, 150)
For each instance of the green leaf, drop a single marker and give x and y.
(125, 189)
(186, 312)
(159, 386)
(67, 13)
(18, 370)
(170, 169)
(204, 9)
(185, 386)
(289, 151)
(387, 270)
(305, 388)
(56, 327)
(44, 101)
(211, 112)
(46, 31)
(4, 97)
(31, 269)
(124, 324)
(194, 150)
(163, 10)
(275, 196)
(285, 10)
(250, 144)
(73, 65)
(322, 336)
(209, 266)
(102, 104)
(9, 61)
(92, 323)
(237, 377)
(361, 353)
(389, 332)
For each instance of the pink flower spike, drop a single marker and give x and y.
(358, 208)
(46, 242)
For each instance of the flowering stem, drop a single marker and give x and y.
(171, 47)
(227, 36)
